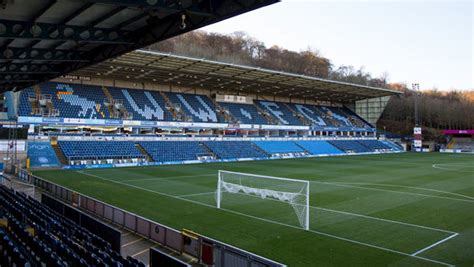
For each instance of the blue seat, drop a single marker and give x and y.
(83, 150)
(279, 147)
(244, 113)
(198, 107)
(142, 104)
(319, 147)
(169, 151)
(234, 149)
(374, 144)
(279, 111)
(350, 146)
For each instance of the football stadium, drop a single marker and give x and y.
(115, 154)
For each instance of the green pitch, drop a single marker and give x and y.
(398, 209)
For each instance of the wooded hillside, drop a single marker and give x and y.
(438, 110)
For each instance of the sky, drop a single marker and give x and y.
(421, 41)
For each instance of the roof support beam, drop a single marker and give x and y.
(51, 55)
(13, 68)
(19, 77)
(162, 19)
(161, 6)
(139, 3)
(61, 32)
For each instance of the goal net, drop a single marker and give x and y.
(270, 197)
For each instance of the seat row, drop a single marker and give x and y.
(38, 236)
(174, 151)
(94, 102)
(74, 150)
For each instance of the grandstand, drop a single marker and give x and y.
(100, 106)
(90, 122)
(92, 105)
(459, 141)
(96, 118)
(84, 121)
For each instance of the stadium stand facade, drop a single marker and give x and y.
(73, 101)
(151, 152)
(160, 127)
(459, 141)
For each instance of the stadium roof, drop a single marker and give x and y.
(41, 40)
(148, 66)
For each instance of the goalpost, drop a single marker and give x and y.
(292, 191)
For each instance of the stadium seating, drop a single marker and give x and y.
(317, 147)
(374, 145)
(279, 111)
(310, 113)
(143, 105)
(244, 113)
(94, 102)
(234, 149)
(336, 116)
(198, 107)
(465, 144)
(176, 151)
(169, 151)
(38, 236)
(279, 147)
(84, 150)
(394, 146)
(350, 146)
(77, 101)
(24, 106)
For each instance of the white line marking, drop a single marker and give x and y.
(434, 244)
(269, 221)
(125, 234)
(386, 220)
(343, 184)
(197, 194)
(411, 187)
(169, 178)
(140, 252)
(132, 242)
(345, 212)
(392, 191)
(448, 169)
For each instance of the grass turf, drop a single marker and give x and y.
(366, 210)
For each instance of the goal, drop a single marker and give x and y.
(283, 190)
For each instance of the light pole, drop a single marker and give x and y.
(417, 135)
(416, 88)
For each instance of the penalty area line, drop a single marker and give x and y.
(449, 169)
(391, 191)
(434, 244)
(270, 221)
